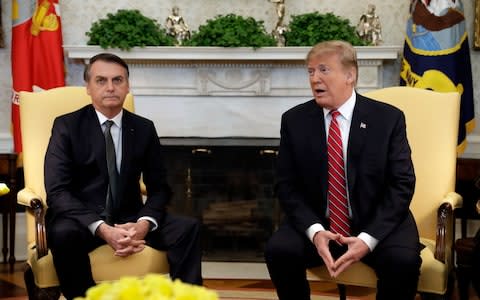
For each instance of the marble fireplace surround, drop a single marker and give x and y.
(225, 94)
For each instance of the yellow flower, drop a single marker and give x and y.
(4, 189)
(150, 287)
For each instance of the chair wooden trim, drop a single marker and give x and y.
(464, 248)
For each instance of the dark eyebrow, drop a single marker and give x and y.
(105, 78)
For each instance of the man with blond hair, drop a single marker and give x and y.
(345, 180)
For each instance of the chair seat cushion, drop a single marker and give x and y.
(107, 266)
(432, 279)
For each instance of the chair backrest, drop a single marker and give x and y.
(432, 129)
(37, 113)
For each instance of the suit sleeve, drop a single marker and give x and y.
(291, 186)
(59, 177)
(395, 188)
(154, 177)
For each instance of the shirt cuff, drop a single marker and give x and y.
(152, 221)
(94, 226)
(369, 240)
(314, 229)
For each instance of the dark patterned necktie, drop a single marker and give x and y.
(113, 175)
(337, 192)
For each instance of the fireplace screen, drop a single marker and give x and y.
(230, 189)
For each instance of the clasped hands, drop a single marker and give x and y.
(357, 249)
(126, 239)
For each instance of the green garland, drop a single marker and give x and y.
(129, 28)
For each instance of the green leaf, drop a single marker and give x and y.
(231, 31)
(311, 28)
(127, 29)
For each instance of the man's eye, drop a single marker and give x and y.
(118, 80)
(324, 70)
(311, 72)
(101, 81)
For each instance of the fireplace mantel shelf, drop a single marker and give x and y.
(219, 53)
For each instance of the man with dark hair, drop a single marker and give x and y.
(94, 161)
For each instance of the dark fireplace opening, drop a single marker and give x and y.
(230, 189)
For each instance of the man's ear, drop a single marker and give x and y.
(351, 77)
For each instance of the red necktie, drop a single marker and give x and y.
(337, 192)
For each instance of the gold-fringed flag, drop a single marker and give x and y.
(436, 56)
(37, 53)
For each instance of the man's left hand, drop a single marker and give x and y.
(357, 249)
(135, 240)
(138, 230)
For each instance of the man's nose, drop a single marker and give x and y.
(109, 84)
(317, 76)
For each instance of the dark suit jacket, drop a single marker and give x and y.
(76, 176)
(380, 173)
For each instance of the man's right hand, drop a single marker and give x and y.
(321, 239)
(120, 239)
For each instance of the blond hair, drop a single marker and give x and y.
(345, 51)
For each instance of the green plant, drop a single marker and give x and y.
(126, 29)
(311, 28)
(231, 31)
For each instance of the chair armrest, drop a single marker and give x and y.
(445, 219)
(28, 198)
(25, 197)
(478, 206)
(455, 200)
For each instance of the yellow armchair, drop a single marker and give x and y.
(38, 111)
(432, 127)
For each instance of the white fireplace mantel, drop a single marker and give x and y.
(160, 54)
(214, 92)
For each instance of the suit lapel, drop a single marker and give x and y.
(356, 142)
(318, 142)
(96, 140)
(128, 144)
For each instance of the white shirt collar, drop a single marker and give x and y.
(346, 109)
(117, 119)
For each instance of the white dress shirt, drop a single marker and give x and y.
(116, 131)
(344, 121)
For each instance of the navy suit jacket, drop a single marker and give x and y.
(76, 176)
(380, 174)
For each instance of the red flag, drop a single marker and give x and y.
(37, 53)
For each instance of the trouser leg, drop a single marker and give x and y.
(70, 245)
(180, 237)
(287, 256)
